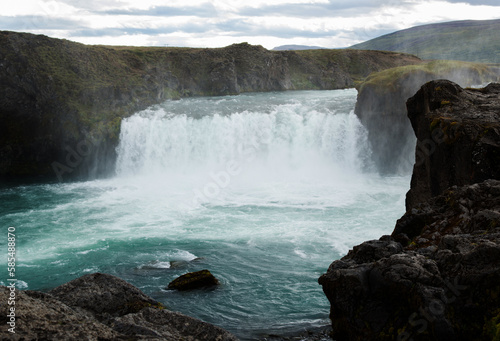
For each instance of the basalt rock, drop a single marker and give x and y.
(103, 294)
(458, 137)
(101, 307)
(194, 280)
(437, 277)
(40, 316)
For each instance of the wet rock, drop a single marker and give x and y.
(100, 294)
(167, 325)
(194, 280)
(101, 307)
(41, 316)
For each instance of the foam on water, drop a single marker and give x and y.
(265, 190)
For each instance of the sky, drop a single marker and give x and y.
(218, 23)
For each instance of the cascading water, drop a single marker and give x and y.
(265, 190)
(286, 141)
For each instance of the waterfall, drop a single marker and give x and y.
(283, 137)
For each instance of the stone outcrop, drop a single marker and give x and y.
(61, 103)
(458, 137)
(381, 106)
(101, 307)
(437, 277)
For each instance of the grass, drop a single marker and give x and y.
(469, 73)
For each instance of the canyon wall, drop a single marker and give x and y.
(61, 103)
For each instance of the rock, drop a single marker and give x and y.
(101, 307)
(167, 325)
(442, 285)
(458, 136)
(381, 106)
(103, 294)
(437, 277)
(40, 316)
(194, 280)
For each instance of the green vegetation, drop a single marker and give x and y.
(467, 73)
(475, 41)
(492, 327)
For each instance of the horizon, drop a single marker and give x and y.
(220, 23)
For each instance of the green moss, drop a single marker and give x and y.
(136, 306)
(491, 328)
(469, 73)
(435, 122)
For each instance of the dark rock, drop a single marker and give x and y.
(40, 316)
(167, 325)
(194, 280)
(458, 137)
(443, 285)
(437, 277)
(103, 294)
(101, 307)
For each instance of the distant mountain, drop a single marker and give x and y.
(470, 40)
(297, 47)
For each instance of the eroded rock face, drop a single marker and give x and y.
(437, 277)
(102, 294)
(458, 137)
(40, 316)
(101, 307)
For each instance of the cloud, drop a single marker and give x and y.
(330, 23)
(477, 3)
(207, 11)
(33, 22)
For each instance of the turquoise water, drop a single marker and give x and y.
(264, 190)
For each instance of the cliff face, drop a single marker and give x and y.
(381, 106)
(458, 138)
(61, 102)
(437, 277)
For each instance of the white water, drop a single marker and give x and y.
(285, 152)
(265, 190)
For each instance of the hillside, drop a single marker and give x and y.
(474, 41)
(61, 103)
(297, 47)
(381, 105)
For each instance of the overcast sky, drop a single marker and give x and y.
(327, 23)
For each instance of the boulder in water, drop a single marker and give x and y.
(194, 280)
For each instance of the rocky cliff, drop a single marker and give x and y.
(437, 277)
(61, 102)
(458, 134)
(99, 307)
(381, 106)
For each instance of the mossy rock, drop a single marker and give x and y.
(194, 280)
